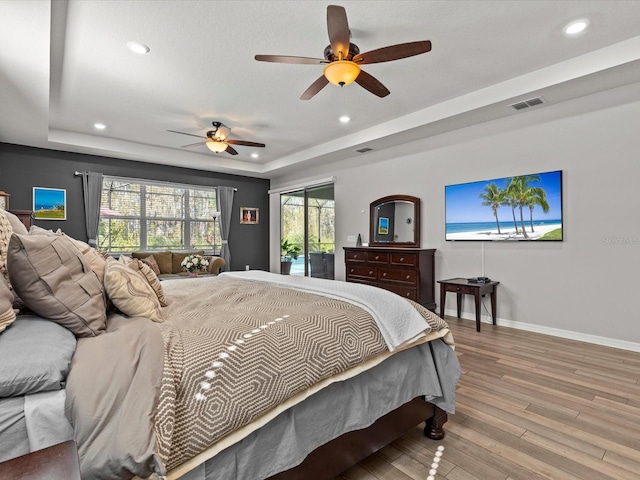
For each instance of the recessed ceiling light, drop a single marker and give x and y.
(575, 27)
(344, 119)
(99, 126)
(254, 155)
(139, 48)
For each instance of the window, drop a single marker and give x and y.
(144, 215)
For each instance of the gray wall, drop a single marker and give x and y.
(586, 284)
(22, 168)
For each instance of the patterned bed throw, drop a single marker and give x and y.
(236, 348)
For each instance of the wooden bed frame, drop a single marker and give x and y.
(336, 456)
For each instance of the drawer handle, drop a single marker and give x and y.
(384, 274)
(458, 289)
(408, 294)
(370, 272)
(355, 256)
(408, 277)
(402, 259)
(351, 271)
(377, 257)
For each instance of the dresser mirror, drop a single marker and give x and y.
(395, 221)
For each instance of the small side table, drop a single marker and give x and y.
(462, 286)
(56, 462)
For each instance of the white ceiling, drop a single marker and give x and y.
(64, 65)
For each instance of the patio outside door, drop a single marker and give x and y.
(308, 221)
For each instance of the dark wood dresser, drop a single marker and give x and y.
(409, 272)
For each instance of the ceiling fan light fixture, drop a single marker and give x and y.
(216, 147)
(342, 72)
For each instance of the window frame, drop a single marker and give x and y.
(143, 219)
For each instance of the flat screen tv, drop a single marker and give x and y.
(524, 207)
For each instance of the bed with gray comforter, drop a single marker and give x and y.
(241, 381)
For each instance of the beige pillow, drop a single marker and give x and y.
(151, 261)
(95, 261)
(5, 236)
(52, 278)
(151, 277)
(7, 314)
(130, 292)
(16, 224)
(163, 259)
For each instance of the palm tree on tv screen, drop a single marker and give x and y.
(537, 196)
(493, 196)
(521, 193)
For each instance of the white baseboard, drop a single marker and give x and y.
(556, 332)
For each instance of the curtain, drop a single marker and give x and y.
(92, 191)
(225, 205)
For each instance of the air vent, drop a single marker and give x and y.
(528, 103)
(363, 150)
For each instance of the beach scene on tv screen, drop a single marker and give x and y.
(525, 207)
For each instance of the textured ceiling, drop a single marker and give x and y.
(68, 67)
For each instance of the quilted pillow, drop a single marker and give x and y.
(130, 292)
(95, 261)
(52, 278)
(151, 261)
(151, 277)
(7, 314)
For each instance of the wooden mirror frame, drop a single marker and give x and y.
(416, 221)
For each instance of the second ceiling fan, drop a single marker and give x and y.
(217, 140)
(343, 58)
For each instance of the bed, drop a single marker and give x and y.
(244, 375)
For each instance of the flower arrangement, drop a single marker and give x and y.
(194, 263)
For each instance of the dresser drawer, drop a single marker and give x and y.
(377, 257)
(459, 289)
(354, 270)
(365, 281)
(409, 259)
(357, 256)
(406, 292)
(398, 275)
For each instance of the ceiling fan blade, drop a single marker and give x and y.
(230, 150)
(393, 52)
(244, 143)
(190, 134)
(338, 28)
(290, 59)
(193, 144)
(372, 84)
(315, 87)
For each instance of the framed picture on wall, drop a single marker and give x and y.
(383, 225)
(249, 215)
(49, 203)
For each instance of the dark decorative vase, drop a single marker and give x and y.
(359, 241)
(285, 268)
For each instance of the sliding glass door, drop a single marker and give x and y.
(308, 222)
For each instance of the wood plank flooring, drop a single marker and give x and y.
(528, 406)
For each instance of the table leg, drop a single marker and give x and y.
(477, 296)
(459, 303)
(443, 292)
(493, 305)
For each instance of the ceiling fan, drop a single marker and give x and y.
(217, 140)
(343, 58)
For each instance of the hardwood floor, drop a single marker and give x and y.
(528, 406)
